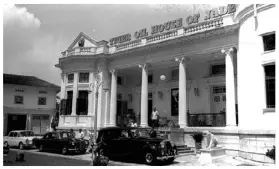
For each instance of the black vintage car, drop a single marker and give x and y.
(63, 141)
(135, 143)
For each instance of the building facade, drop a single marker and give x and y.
(29, 103)
(199, 72)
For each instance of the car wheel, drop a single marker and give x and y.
(149, 158)
(41, 148)
(6, 144)
(20, 145)
(64, 150)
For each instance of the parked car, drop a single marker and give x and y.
(19, 138)
(135, 143)
(63, 141)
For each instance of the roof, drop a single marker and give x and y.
(27, 81)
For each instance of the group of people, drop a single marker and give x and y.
(80, 133)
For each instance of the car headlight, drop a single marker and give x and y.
(27, 141)
(162, 145)
(172, 144)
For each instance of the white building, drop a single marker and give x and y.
(29, 103)
(221, 62)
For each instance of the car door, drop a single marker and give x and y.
(10, 139)
(122, 143)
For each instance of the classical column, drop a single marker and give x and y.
(144, 96)
(63, 86)
(106, 88)
(107, 108)
(230, 87)
(113, 101)
(91, 95)
(75, 94)
(182, 115)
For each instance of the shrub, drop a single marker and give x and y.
(271, 153)
(197, 136)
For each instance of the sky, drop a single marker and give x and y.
(35, 35)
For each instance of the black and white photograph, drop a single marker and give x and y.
(160, 83)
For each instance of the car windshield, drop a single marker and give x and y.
(26, 133)
(140, 132)
(66, 135)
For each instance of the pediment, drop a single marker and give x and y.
(82, 40)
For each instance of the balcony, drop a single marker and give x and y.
(80, 51)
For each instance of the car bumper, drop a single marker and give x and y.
(165, 157)
(28, 145)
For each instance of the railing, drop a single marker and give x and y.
(80, 51)
(207, 119)
(161, 36)
(128, 45)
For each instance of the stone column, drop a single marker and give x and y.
(230, 87)
(91, 95)
(107, 108)
(182, 115)
(75, 94)
(63, 86)
(113, 101)
(144, 96)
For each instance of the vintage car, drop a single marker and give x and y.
(135, 143)
(63, 141)
(19, 138)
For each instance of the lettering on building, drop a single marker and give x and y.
(166, 26)
(120, 39)
(214, 13)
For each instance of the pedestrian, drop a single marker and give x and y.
(154, 117)
(81, 134)
(72, 131)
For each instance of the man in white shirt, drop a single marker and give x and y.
(154, 117)
(80, 134)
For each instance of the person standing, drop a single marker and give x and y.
(80, 134)
(154, 117)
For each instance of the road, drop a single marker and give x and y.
(35, 158)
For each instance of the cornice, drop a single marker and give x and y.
(222, 31)
(242, 15)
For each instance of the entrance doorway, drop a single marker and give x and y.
(16, 122)
(40, 123)
(218, 100)
(150, 109)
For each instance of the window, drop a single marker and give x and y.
(42, 101)
(150, 78)
(149, 95)
(218, 69)
(119, 80)
(18, 99)
(175, 74)
(219, 89)
(270, 85)
(119, 96)
(70, 78)
(269, 42)
(83, 77)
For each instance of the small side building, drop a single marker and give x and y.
(29, 103)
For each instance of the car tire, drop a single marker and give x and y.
(64, 150)
(149, 158)
(41, 148)
(6, 144)
(21, 146)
